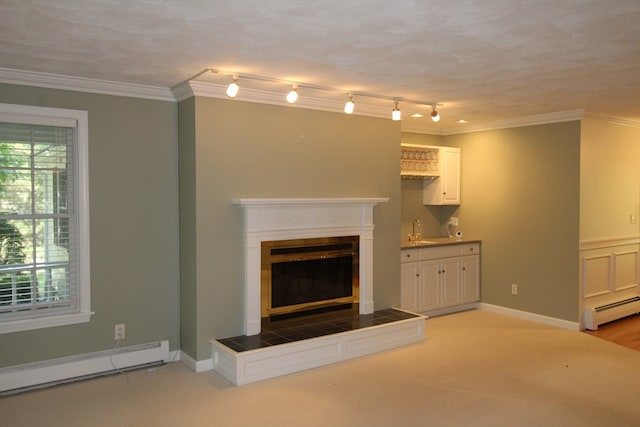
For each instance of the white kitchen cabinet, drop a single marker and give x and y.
(410, 282)
(440, 279)
(409, 279)
(470, 285)
(444, 190)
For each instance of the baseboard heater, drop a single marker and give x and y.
(19, 378)
(595, 316)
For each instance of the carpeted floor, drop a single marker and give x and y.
(475, 369)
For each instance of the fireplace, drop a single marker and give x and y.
(310, 230)
(302, 275)
(290, 219)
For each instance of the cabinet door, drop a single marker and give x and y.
(429, 285)
(451, 173)
(409, 282)
(444, 190)
(470, 288)
(450, 282)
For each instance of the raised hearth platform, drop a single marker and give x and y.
(292, 345)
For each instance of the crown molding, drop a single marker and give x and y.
(211, 90)
(625, 121)
(538, 119)
(81, 84)
(542, 119)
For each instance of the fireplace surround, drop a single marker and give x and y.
(304, 218)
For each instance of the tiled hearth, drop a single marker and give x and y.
(312, 326)
(296, 344)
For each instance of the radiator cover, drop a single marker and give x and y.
(50, 372)
(595, 316)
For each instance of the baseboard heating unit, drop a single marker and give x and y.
(595, 316)
(18, 378)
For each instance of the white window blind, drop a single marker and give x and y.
(40, 224)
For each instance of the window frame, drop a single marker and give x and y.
(77, 119)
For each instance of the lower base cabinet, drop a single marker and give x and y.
(435, 278)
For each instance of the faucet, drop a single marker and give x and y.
(414, 236)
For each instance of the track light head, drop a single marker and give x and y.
(395, 114)
(293, 95)
(233, 88)
(434, 114)
(349, 105)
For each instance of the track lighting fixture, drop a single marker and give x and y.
(395, 114)
(293, 95)
(349, 106)
(434, 114)
(233, 88)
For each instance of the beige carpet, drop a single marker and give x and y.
(475, 369)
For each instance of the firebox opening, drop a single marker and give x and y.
(302, 275)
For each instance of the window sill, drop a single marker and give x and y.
(44, 322)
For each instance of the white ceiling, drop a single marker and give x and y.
(482, 60)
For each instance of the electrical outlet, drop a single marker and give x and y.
(119, 332)
(633, 219)
(514, 289)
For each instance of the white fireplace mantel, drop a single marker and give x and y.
(281, 219)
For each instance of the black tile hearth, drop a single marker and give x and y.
(275, 332)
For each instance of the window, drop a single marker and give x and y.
(44, 227)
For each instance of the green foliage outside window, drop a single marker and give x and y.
(11, 239)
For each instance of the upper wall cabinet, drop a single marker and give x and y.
(444, 190)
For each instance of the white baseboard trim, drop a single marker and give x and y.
(174, 356)
(551, 321)
(451, 310)
(196, 365)
(66, 369)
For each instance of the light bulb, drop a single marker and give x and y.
(293, 95)
(233, 88)
(395, 114)
(349, 106)
(434, 115)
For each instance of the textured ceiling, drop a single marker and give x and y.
(482, 60)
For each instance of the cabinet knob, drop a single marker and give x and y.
(471, 249)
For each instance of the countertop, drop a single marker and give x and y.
(427, 242)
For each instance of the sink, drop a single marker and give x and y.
(423, 242)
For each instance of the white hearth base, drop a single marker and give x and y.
(269, 362)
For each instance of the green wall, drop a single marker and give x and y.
(520, 194)
(187, 186)
(250, 150)
(133, 220)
